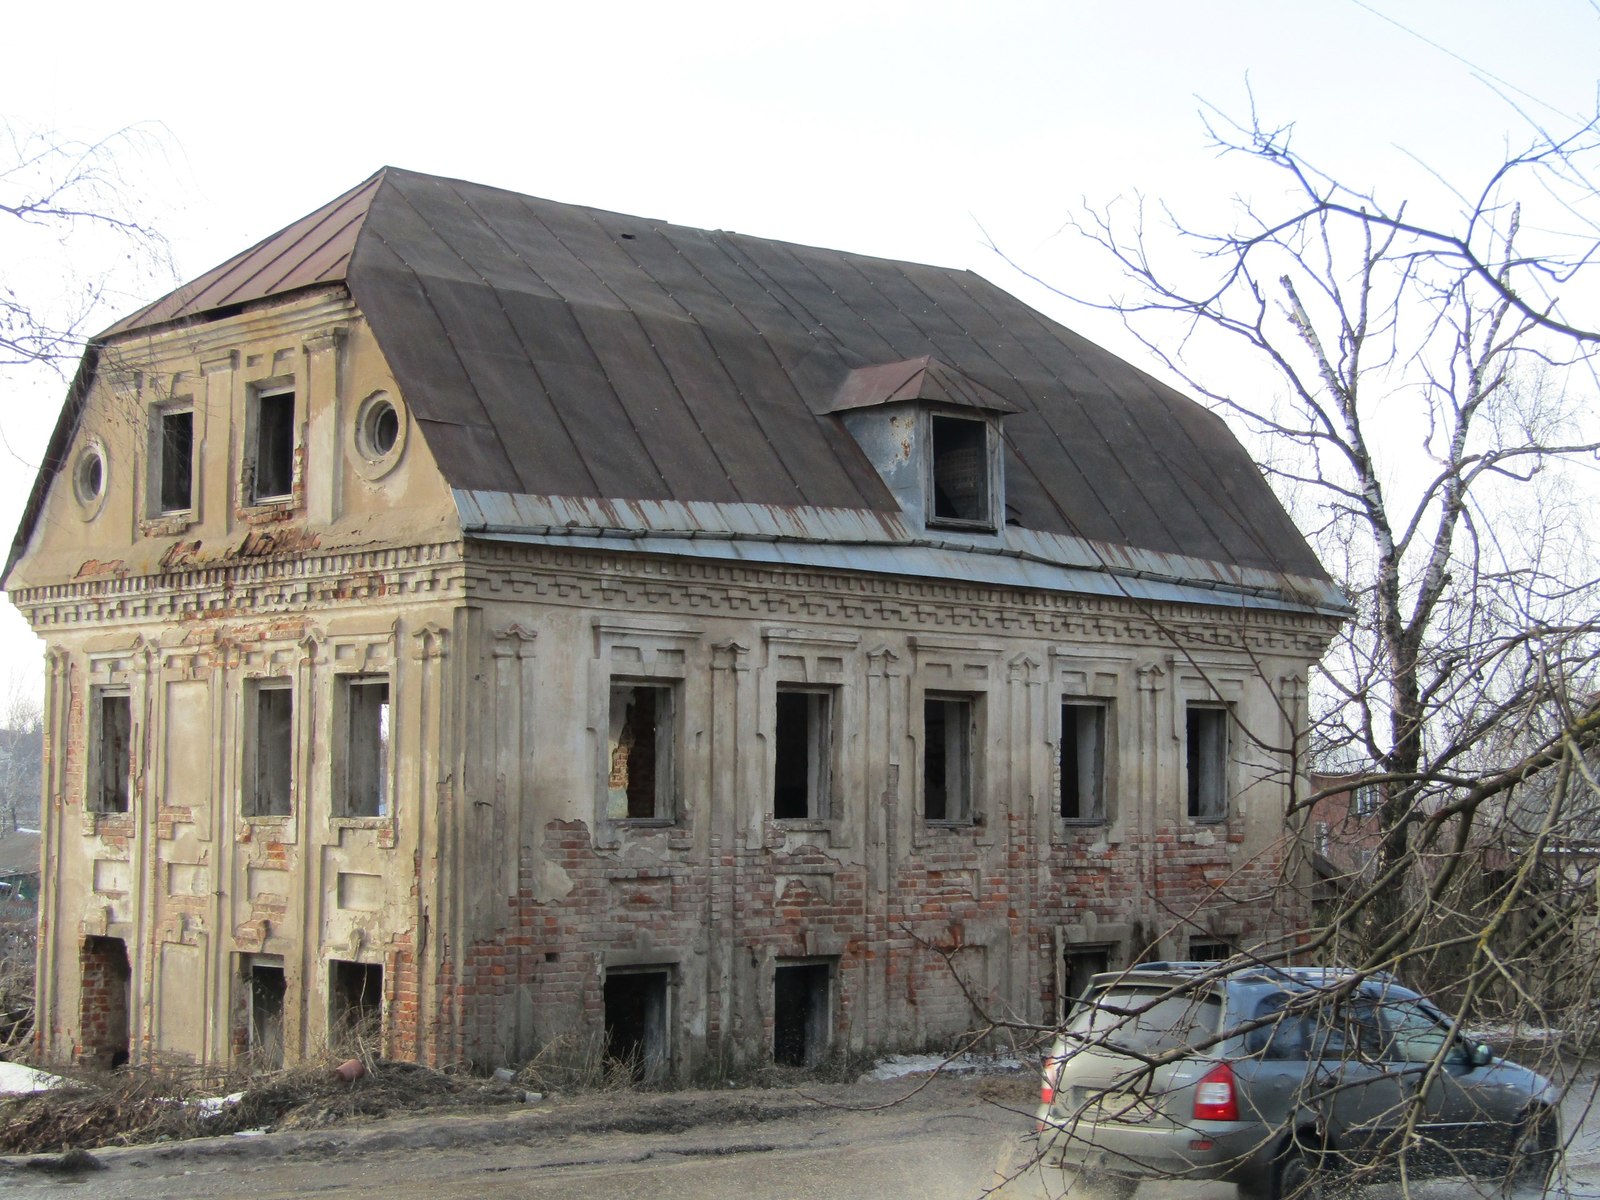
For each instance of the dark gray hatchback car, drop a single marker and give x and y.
(1280, 1080)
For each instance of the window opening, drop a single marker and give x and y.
(267, 989)
(639, 785)
(1364, 800)
(800, 1025)
(103, 1005)
(271, 751)
(803, 736)
(366, 759)
(636, 1021)
(355, 1010)
(1209, 950)
(112, 749)
(1207, 761)
(177, 461)
(382, 428)
(1082, 964)
(1083, 761)
(274, 466)
(961, 470)
(947, 758)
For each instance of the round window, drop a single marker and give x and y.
(378, 435)
(89, 478)
(382, 428)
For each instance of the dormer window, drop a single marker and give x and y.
(933, 433)
(960, 472)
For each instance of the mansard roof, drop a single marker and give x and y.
(552, 350)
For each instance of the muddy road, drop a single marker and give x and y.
(958, 1138)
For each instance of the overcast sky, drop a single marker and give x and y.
(906, 130)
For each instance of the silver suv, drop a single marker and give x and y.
(1278, 1079)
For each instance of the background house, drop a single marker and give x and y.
(495, 620)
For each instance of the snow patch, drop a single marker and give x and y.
(18, 1080)
(897, 1066)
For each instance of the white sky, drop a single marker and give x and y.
(895, 129)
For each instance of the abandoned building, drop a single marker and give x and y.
(495, 620)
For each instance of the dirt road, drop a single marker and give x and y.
(956, 1139)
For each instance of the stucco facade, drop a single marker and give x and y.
(330, 736)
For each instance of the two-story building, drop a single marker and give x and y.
(497, 619)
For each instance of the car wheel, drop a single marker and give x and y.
(1535, 1147)
(1302, 1175)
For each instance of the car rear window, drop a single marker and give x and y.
(1145, 1020)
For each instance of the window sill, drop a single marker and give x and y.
(956, 825)
(645, 822)
(1084, 822)
(960, 526)
(380, 821)
(266, 818)
(1219, 819)
(168, 524)
(805, 824)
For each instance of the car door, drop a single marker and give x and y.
(1435, 1066)
(1363, 1103)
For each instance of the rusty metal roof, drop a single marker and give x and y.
(552, 350)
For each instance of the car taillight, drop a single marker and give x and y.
(1047, 1087)
(1214, 1096)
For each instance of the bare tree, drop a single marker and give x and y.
(1422, 394)
(1425, 397)
(58, 194)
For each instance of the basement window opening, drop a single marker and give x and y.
(639, 782)
(266, 989)
(1083, 761)
(961, 483)
(103, 980)
(801, 1013)
(947, 741)
(355, 1009)
(175, 453)
(803, 744)
(1080, 965)
(365, 706)
(1207, 761)
(112, 749)
(1209, 950)
(269, 750)
(274, 457)
(636, 1015)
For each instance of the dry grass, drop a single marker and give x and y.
(135, 1106)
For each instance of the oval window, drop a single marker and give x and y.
(89, 478)
(378, 436)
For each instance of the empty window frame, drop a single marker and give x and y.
(1207, 760)
(1080, 964)
(269, 748)
(641, 749)
(960, 471)
(362, 780)
(637, 1020)
(265, 988)
(112, 740)
(1365, 799)
(949, 733)
(174, 437)
(273, 477)
(355, 1002)
(802, 774)
(1209, 950)
(801, 1013)
(1083, 760)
